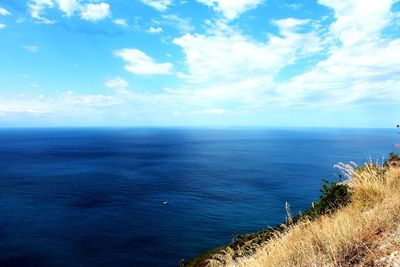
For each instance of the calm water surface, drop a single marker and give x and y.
(93, 197)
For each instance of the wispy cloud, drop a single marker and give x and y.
(117, 83)
(20, 20)
(294, 6)
(226, 55)
(120, 22)
(364, 67)
(160, 5)
(345, 59)
(31, 48)
(155, 30)
(231, 9)
(90, 11)
(212, 111)
(184, 25)
(4, 12)
(37, 9)
(358, 20)
(140, 63)
(34, 85)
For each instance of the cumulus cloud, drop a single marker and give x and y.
(140, 63)
(344, 63)
(4, 12)
(359, 20)
(362, 68)
(355, 65)
(95, 12)
(68, 6)
(2, 26)
(231, 9)
(160, 5)
(225, 54)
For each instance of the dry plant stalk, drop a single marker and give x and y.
(345, 238)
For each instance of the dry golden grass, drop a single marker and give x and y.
(348, 237)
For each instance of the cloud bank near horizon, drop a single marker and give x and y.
(169, 65)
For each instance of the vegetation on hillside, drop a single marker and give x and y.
(344, 227)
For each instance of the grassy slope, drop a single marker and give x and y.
(322, 237)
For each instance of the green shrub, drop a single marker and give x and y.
(333, 196)
(393, 159)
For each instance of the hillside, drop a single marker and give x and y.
(356, 222)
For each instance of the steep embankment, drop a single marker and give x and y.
(354, 223)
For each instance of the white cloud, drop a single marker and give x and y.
(290, 24)
(95, 12)
(76, 104)
(4, 12)
(155, 30)
(37, 8)
(359, 20)
(160, 5)
(224, 54)
(70, 98)
(226, 71)
(363, 67)
(68, 6)
(140, 63)
(120, 106)
(20, 104)
(2, 26)
(34, 85)
(31, 48)
(20, 20)
(117, 83)
(226, 66)
(182, 24)
(91, 11)
(212, 111)
(231, 9)
(294, 6)
(349, 76)
(120, 22)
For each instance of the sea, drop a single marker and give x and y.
(155, 196)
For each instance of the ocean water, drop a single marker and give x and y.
(93, 197)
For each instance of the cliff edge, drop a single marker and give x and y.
(355, 223)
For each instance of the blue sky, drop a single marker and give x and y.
(325, 63)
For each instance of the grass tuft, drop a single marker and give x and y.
(347, 237)
(346, 227)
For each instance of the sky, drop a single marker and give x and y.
(273, 63)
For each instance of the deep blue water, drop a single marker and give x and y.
(93, 197)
